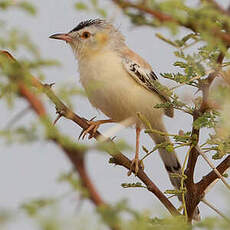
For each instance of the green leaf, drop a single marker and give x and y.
(81, 6)
(36, 205)
(76, 183)
(208, 119)
(145, 149)
(94, 3)
(102, 12)
(5, 4)
(170, 191)
(27, 7)
(160, 36)
(169, 148)
(132, 185)
(180, 64)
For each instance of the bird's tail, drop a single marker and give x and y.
(169, 158)
(171, 163)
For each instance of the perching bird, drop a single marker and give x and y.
(120, 84)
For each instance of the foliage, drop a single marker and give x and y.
(199, 52)
(92, 6)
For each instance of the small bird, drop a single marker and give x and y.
(120, 83)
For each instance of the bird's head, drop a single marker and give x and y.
(92, 36)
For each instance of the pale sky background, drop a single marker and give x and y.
(30, 171)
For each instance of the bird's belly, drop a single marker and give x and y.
(118, 96)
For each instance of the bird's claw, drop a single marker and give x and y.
(136, 164)
(92, 129)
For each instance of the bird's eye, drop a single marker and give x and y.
(86, 34)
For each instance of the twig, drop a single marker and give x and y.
(218, 7)
(162, 17)
(183, 177)
(57, 119)
(215, 209)
(164, 133)
(204, 183)
(149, 153)
(17, 117)
(186, 82)
(213, 167)
(159, 15)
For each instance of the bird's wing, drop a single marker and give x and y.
(148, 79)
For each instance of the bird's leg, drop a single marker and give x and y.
(135, 161)
(93, 126)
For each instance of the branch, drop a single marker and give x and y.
(78, 161)
(215, 209)
(76, 157)
(213, 167)
(155, 13)
(162, 17)
(212, 176)
(195, 194)
(117, 158)
(217, 6)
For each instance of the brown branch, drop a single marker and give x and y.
(76, 157)
(212, 176)
(213, 167)
(215, 209)
(192, 197)
(217, 6)
(162, 17)
(194, 192)
(155, 13)
(78, 161)
(36, 104)
(118, 158)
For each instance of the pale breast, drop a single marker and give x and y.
(110, 89)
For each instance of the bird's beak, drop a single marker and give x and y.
(64, 37)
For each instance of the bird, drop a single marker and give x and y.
(121, 84)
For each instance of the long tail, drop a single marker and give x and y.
(170, 160)
(171, 163)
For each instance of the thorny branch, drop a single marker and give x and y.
(76, 157)
(155, 13)
(117, 158)
(217, 6)
(197, 190)
(207, 180)
(218, 173)
(215, 209)
(162, 17)
(194, 191)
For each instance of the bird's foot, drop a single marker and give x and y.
(93, 126)
(136, 164)
(92, 129)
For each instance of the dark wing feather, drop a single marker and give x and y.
(146, 78)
